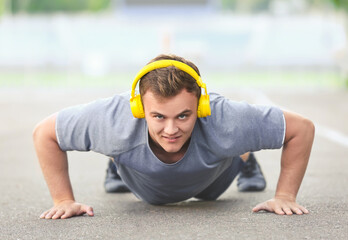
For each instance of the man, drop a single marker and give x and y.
(178, 144)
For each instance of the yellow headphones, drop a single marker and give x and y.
(135, 101)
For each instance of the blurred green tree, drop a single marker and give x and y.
(50, 6)
(66, 5)
(246, 5)
(15, 6)
(341, 4)
(2, 7)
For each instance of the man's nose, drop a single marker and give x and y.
(171, 128)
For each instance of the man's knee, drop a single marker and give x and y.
(208, 196)
(245, 156)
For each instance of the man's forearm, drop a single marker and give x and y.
(53, 161)
(56, 173)
(295, 156)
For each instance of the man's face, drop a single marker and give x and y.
(170, 120)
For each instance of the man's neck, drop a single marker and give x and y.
(167, 157)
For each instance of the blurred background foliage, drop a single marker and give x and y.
(343, 4)
(51, 6)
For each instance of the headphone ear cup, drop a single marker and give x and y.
(203, 106)
(137, 107)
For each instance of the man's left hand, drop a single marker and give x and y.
(281, 206)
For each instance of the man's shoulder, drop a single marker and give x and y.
(120, 98)
(105, 125)
(218, 98)
(213, 96)
(125, 95)
(117, 102)
(219, 102)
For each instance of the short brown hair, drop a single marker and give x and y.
(169, 81)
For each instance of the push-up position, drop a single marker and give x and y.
(173, 141)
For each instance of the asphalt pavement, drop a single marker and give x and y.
(24, 194)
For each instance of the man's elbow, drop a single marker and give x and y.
(38, 132)
(308, 128)
(44, 130)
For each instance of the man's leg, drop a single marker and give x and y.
(113, 182)
(219, 186)
(251, 177)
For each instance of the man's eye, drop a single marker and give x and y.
(182, 116)
(159, 116)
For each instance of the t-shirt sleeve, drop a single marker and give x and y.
(105, 126)
(240, 127)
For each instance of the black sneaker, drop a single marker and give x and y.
(251, 178)
(113, 182)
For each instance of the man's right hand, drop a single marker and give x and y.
(67, 209)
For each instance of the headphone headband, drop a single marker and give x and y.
(167, 63)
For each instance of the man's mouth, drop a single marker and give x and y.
(171, 139)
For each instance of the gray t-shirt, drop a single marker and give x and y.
(107, 126)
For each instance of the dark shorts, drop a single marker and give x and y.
(220, 185)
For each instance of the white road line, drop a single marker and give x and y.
(331, 134)
(320, 130)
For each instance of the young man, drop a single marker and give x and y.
(173, 142)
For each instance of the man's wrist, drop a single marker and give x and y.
(285, 196)
(57, 202)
